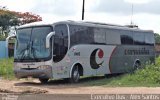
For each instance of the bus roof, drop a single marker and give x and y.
(40, 23)
(87, 23)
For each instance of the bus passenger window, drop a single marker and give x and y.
(60, 46)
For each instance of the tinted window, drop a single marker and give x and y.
(126, 37)
(38, 39)
(112, 36)
(93, 35)
(60, 46)
(81, 35)
(31, 43)
(149, 39)
(139, 38)
(99, 36)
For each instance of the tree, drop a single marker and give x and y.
(27, 17)
(157, 38)
(7, 19)
(11, 18)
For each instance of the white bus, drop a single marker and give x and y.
(70, 49)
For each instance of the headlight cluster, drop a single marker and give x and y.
(44, 67)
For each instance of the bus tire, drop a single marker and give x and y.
(43, 80)
(75, 75)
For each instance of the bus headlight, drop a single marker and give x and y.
(44, 67)
(16, 66)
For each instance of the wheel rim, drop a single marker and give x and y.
(76, 74)
(137, 66)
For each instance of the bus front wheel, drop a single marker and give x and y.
(75, 75)
(43, 80)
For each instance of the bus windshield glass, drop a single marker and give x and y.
(31, 43)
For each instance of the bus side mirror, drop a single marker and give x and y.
(7, 39)
(48, 39)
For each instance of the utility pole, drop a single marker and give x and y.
(83, 9)
(132, 15)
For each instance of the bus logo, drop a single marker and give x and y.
(93, 58)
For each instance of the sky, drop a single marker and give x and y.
(144, 13)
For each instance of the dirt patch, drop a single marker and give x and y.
(7, 86)
(30, 91)
(59, 87)
(5, 91)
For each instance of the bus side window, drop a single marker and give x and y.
(60, 46)
(112, 37)
(126, 37)
(149, 39)
(139, 38)
(81, 35)
(99, 36)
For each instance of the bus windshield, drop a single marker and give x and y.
(31, 43)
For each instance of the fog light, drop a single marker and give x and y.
(44, 67)
(17, 67)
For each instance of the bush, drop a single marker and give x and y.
(151, 72)
(6, 68)
(149, 75)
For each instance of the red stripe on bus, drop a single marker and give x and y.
(110, 59)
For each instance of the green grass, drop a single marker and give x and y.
(6, 68)
(148, 76)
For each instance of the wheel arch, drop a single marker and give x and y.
(136, 61)
(80, 68)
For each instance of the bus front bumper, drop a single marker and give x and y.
(35, 73)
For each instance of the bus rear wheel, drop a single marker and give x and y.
(137, 65)
(43, 80)
(75, 75)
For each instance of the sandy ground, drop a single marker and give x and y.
(61, 87)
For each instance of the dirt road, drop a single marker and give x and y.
(61, 87)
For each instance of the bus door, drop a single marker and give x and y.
(60, 48)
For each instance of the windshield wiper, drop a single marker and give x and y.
(33, 51)
(30, 50)
(21, 58)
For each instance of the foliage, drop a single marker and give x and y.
(11, 18)
(27, 17)
(7, 18)
(2, 37)
(157, 38)
(18, 18)
(6, 68)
